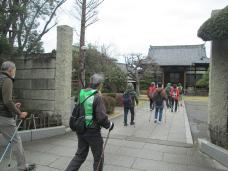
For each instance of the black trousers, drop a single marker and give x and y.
(176, 103)
(151, 104)
(169, 102)
(132, 110)
(91, 138)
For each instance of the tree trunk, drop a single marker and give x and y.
(81, 50)
(137, 83)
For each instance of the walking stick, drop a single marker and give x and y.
(165, 106)
(150, 115)
(8, 145)
(103, 150)
(165, 113)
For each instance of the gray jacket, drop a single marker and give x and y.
(7, 106)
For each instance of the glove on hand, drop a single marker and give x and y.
(111, 126)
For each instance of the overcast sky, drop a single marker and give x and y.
(131, 26)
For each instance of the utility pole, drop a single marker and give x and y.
(82, 46)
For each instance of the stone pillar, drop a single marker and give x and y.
(218, 92)
(63, 72)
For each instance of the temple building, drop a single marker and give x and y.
(183, 64)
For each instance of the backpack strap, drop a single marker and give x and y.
(89, 96)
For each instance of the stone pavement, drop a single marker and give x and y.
(147, 146)
(197, 111)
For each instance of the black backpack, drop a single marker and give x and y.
(77, 119)
(127, 99)
(158, 98)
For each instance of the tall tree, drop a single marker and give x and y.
(24, 22)
(98, 62)
(87, 15)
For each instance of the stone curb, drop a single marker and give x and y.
(36, 134)
(218, 153)
(189, 139)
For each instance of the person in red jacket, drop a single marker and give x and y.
(175, 94)
(150, 92)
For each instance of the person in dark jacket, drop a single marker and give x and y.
(8, 110)
(129, 100)
(159, 98)
(169, 98)
(96, 118)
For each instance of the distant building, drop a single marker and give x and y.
(183, 64)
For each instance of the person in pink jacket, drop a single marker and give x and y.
(175, 94)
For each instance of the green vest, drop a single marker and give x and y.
(88, 105)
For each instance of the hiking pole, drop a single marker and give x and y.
(150, 115)
(11, 150)
(165, 113)
(8, 145)
(165, 106)
(103, 150)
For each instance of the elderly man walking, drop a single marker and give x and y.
(95, 119)
(8, 110)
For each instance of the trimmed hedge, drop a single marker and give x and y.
(216, 27)
(117, 96)
(119, 99)
(110, 104)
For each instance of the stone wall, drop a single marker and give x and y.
(218, 93)
(34, 84)
(43, 81)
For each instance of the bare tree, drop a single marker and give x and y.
(137, 65)
(20, 22)
(134, 66)
(87, 15)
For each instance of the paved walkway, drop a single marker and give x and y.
(147, 146)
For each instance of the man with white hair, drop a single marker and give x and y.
(95, 119)
(8, 110)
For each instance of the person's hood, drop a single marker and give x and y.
(130, 87)
(169, 85)
(5, 74)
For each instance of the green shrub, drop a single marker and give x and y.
(119, 99)
(109, 104)
(143, 92)
(116, 96)
(5, 46)
(204, 81)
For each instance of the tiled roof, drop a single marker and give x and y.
(178, 55)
